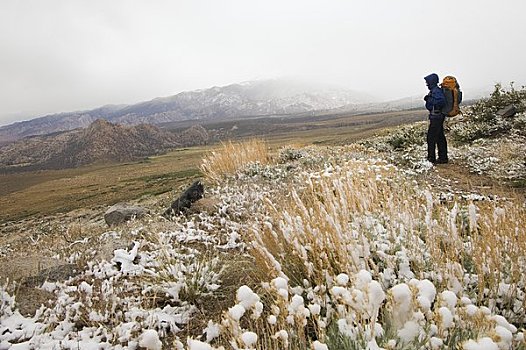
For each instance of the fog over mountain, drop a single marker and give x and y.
(78, 55)
(255, 98)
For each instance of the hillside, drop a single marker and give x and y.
(484, 141)
(360, 246)
(256, 98)
(100, 142)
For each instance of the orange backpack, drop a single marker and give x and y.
(453, 95)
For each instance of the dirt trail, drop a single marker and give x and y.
(456, 178)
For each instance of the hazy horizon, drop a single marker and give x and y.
(66, 56)
(11, 118)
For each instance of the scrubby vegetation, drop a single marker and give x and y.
(481, 138)
(483, 120)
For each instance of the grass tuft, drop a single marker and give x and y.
(232, 157)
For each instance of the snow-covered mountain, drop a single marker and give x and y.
(254, 98)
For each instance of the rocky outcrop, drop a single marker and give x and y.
(194, 136)
(103, 141)
(192, 194)
(122, 212)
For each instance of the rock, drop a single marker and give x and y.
(122, 212)
(30, 297)
(507, 112)
(52, 274)
(209, 206)
(191, 195)
(29, 300)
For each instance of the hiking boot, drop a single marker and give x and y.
(432, 161)
(442, 161)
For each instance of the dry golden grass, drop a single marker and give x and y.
(486, 239)
(311, 234)
(499, 249)
(233, 156)
(313, 230)
(509, 151)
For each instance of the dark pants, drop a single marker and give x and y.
(435, 136)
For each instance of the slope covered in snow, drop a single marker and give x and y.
(351, 247)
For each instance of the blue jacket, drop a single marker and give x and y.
(435, 100)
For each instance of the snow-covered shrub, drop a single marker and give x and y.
(357, 312)
(404, 146)
(358, 215)
(502, 158)
(519, 124)
(314, 232)
(398, 139)
(268, 172)
(466, 132)
(481, 119)
(407, 136)
(289, 154)
(486, 108)
(152, 285)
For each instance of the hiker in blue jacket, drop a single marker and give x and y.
(435, 101)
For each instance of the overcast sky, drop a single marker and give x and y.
(64, 55)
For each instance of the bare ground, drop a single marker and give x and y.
(456, 178)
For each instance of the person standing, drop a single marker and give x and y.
(435, 101)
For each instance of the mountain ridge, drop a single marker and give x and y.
(248, 99)
(100, 142)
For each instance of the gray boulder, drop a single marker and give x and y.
(122, 212)
(507, 112)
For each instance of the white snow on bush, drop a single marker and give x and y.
(150, 340)
(319, 346)
(249, 338)
(342, 279)
(126, 260)
(236, 312)
(246, 297)
(198, 345)
(485, 343)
